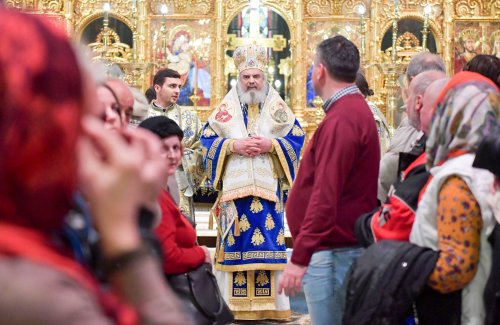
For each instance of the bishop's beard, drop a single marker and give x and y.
(252, 96)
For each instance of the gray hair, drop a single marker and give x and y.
(424, 61)
(141, 105)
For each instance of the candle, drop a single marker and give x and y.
(254, 3)
(164, 9)
(106, 7)
(361, 10)
(425, 31)
(427, 10)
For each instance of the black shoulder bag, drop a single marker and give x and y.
(201, 296)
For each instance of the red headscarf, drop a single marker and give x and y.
(40, 108)
(41, 102)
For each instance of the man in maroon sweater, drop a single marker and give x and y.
(336, 183)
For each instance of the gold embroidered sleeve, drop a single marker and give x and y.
(230, 147)
(220, 161)
(280, 164)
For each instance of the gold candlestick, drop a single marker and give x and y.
(425, 31)
(194, 97)
(395, 31)
(164, 11)
(196, 46)
(319, 113)
(270, 71)
(361, 11)
(105, 37)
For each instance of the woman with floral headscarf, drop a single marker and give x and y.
(453, 215)
(49, 142)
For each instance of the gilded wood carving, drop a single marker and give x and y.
(450, 23)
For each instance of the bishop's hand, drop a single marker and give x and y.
(264, 144)
(246, 147)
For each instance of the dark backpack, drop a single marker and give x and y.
(385, 282)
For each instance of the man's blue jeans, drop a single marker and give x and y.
(324, 285)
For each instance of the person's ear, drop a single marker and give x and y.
(157, 87)
(419, 103)
(321, 72)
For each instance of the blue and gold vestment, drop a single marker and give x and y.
(249, 208)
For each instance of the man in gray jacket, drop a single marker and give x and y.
(406, 136)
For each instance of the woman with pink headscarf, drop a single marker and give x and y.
(453, 216)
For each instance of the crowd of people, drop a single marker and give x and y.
(97, 221)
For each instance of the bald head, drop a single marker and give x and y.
(429, 102)
(125, 98)
(418, 85)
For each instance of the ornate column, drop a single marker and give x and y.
(135, 35)
(219, 45)
(374, 41)
(448, 35)
(391, 67)
(142, 30)
(137, 70)
(297, 47)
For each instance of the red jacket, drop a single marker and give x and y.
(394, 219)
(177, 238)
